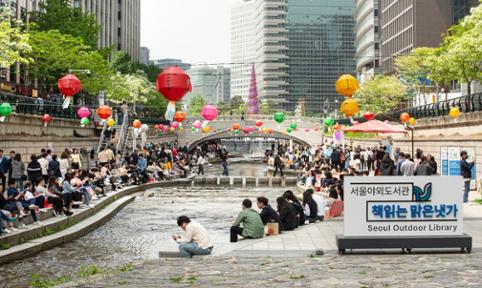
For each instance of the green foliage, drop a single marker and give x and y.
(267, 108)
(196, 104)
(417, 64)
(87, 271)
(14, 46)
(176, 279)
(381, 94)
(55, 53)
(130, 88)
(126, 267)
(121, 62)
(39, 281)
(295, 277)
(61, 15)
(237, 105)
(4, 246)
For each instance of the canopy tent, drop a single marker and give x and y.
(375, 126)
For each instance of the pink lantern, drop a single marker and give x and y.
(175, 124)
(165, 129)
(209, 112)
(83, 112)
(307, 129)
(197, 124)
(246, 130)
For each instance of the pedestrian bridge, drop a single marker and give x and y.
(305, 133)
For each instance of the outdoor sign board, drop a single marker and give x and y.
(450, 162)
(403, 206)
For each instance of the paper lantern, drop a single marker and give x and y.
(84, 122)
(412, 121)
(171, 130)
(5, 111)
(137, 124)
(83, 112)
(246, 130)
(110, 122)
(180, 116)
(329, 122)
(209, 112)
(69, 85)
(307, 129)
(369, 116)
(165, 129)
(404, 117)
(206, 129)
(173, 83)
(236, 126)
(144, 128)
(337, 127)
(293, 126)
(349, 107)
(46, 119)
(454, 112)
(289, 129)
(279, 117)
(104, 112)
(347, 85)
(259, 124)
(175, 125)
(197, 124)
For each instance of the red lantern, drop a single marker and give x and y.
(69, 85)
(236, 126)
(369, 116)
(246, 130)
(137, 123)
(173, 83)
(104, 112)
(259, 123)
(404, 117)
(179, 116)
(46, 119)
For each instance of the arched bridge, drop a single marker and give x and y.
(312, 137)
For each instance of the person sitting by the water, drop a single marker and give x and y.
(253, 227)
(267, 214)
(310, 208)
(320, 203)
(295, 203)
(287, 214)
(196, 241)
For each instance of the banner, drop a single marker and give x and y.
(403, 206)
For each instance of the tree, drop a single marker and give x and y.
(55, 53)
(121, 62)
(237, 105)
(463, 46)
(223, 108)
(196, 104)
(131, 88)
(61, 15)
(416, 65)
(267, 108)
(381, 94)
(14, 46)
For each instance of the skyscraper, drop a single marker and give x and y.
(203, 80)
(223, 85)
(408, 24)
(163, 63)
(367, 38)
(144, 56)
(302, 47)
(242, 45)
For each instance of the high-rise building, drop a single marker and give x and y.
(144, 56)
(302, 47)
(243, 50)
(163, 63)
(223, 85)
(367, 38)
(204, 80)
(120, 20)
(408, 24)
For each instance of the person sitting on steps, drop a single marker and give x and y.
(253, 227)
(196, 241)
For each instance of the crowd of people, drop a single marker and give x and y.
(79, 176)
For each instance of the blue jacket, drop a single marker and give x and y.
(4, 165)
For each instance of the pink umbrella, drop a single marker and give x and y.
(375, 126)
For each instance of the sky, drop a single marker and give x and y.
(196, 31)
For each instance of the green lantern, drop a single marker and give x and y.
(293, 126)
(289, 129)
(5, 111)
(329, 122)
(279, 117)
(84, 121)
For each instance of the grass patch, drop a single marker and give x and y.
(191, 279)
(121, 283)
(49, 231)
(87, 271)
(478, 201)
(4, 246)
(176, 279)
(295, 277)
(39, 281)
(126, 268)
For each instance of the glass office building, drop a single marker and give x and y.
(320, 49)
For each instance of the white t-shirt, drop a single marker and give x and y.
(320, 202)
(44, 164)
(28, 195)
(196, 233)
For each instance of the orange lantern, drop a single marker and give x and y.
(349, 107)
(180, 116)
(206, 129)
(236, 126)
(412, 121)
(347, 85)
(404, 117)
(137, 123)
(104, 112)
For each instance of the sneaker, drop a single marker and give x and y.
(55, 213)
(38, 223)
(43, 210)
(22, 226)
(12, 229)
(22, 215)
(32, 207)
(6, 231)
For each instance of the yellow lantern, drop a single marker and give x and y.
(454, 112)
(347, 85)
(349, 107)
(172, 129)
(110, 122)
(206, 129)
(412, 121)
